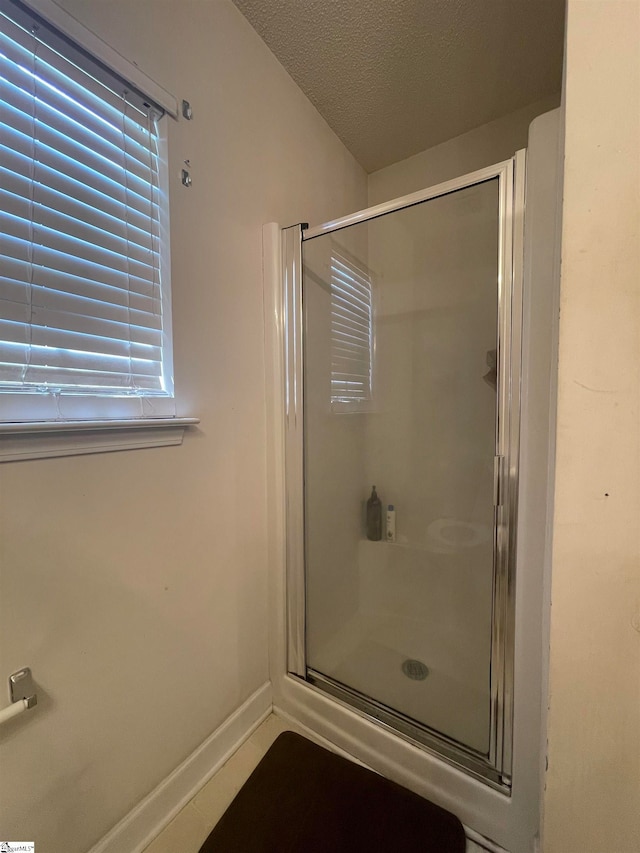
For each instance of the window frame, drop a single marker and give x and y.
(32, 424)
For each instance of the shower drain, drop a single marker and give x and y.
(415, 669)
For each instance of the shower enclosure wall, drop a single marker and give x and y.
(394, 341)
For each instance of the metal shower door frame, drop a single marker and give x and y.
(494, 768)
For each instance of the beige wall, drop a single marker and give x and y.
(491, 143)
(134, 583)
(592, 799)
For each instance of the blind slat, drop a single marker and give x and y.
(48, 260)
(48, 318)
(74, 187)
(89, 361)
(65, 339)
(92, 289)
(26, 115)
(359, 319)
(71, 303)
(74, 247)
(16, 332)
(350, 299)
(79, 165)
(79, 217)
(355, 363)
(345, 332)
(84, 232)
(41, 356)
(351, 332)
(61, 377)
(345, 282)
(13, 290)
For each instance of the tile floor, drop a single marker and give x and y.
(188, 830)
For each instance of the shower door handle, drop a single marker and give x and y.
(498, 467)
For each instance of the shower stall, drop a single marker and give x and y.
(412, 347)
(402, 326)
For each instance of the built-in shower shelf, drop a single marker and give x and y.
(414, 546)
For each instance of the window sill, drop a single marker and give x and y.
(45, 439)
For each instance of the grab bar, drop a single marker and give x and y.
(22, 694)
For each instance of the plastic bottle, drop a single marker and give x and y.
(391, 523)
(374, 517)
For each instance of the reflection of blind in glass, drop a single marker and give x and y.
(80, 290)
(351, 331)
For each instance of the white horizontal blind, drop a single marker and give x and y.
(81, 297)
(351, 330)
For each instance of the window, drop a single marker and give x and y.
(351, 332)
(84, 277)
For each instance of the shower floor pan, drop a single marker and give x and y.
(448, 710)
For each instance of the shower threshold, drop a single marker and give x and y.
(446, 749)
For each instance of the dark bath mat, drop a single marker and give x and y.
(302, 798)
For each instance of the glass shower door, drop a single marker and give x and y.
(404, 328)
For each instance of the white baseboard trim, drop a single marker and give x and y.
(477, 843)
(146, 820)
(310, 734)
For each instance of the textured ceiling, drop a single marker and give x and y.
(393, 77)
